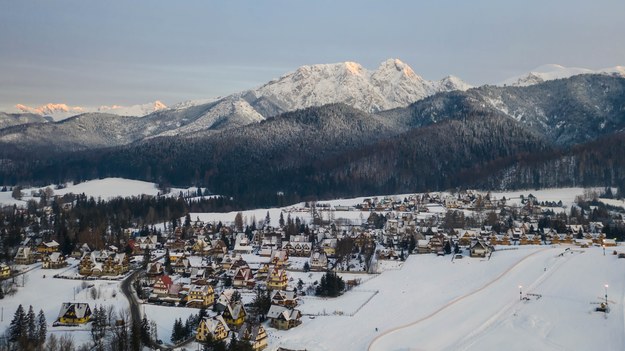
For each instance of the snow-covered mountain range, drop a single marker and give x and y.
(553, 71)
(393, 84)
(62, 111)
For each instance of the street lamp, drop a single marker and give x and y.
(520, 292)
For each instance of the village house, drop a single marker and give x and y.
(182, 265)
(284, 318)
(212, 328)
(243, 277)
(162, 285)
(103, 263)
(5, 271)
(234, 314)
(224, 299)
(47, 247)
(201, 247)
(242, 245)
(200, 296)
(284, 298)
(279, 258)
(328, 246)
(318, 261)
(277, 279)
(263, 272)
(142, 243)
(479, 249)
(24, 256)
(54, 260)
(254, 334)
(298, 246)
(74, 313)
(153, 271)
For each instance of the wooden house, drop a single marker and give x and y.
(153, 271)
(201, 247)
(182, 265)
(143, 243)
(277, 279)
(224, 300)
(255, 335)
(284, 318)
(318, 261)
(279, 258)
(162, 285)
(284, 298)
(234, 314)
(243, 278)
(242, 244)
(263, 272)
(24, 256)
(5, 271)
(74, 313)
(479, 249)
(54, 260)
(212, 328)
(200, 296)
(116, 264)
(103, 263)
(48, 247)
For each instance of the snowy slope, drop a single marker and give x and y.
(473, 304)
(553, 71)
(105, 189)
(393, 84)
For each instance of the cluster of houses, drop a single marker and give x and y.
(46, 252)
(205, 263)
(232, 318)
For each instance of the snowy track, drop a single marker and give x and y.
(485, 318)
(379, 343)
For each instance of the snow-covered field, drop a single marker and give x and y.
(428, 303)
(106, 188)
(38, 288)
(433, 303)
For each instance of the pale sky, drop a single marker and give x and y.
(93, 53)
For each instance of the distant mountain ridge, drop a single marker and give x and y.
(393, 84)
(62, 111)
(548, 72)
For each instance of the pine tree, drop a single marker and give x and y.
(31, 329)
(177, 333)
(18, 325)
(145, 331)
(281, 220)
(42, 328)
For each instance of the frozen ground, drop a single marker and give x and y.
(432, 303)
(106, 188)
(39, 289)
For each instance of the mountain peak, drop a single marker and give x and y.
(354, 68)
(396, 65)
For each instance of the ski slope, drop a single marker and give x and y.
(433, 303)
